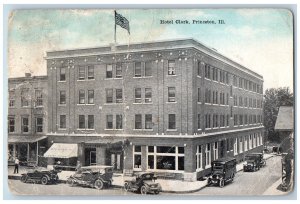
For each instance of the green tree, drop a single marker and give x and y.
(273, 99)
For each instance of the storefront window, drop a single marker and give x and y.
(165, 162)
(137, 157)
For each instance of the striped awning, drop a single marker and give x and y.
(24, 139)
(62, 150)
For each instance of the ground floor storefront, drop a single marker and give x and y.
(175, 157)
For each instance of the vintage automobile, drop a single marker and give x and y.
(40, 175)
(143, 183)
(92, 176)
(254, 162)
(222, 171)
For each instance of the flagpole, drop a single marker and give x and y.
(115, 28)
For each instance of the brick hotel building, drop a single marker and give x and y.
(170, 107)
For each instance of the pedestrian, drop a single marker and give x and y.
(78, 167)
(17, 162)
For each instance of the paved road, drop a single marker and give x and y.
(249, 183)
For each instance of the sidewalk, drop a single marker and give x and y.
(168, 185)
(274, 190)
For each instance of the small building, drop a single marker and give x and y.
(27, 116)
(170, 107)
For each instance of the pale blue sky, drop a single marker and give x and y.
(261, 39)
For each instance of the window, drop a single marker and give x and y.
(227, 78)
(199, 157)
(62, 122)
(90, 122)
(171, 67)
(81, 122)
(148, 121)
(11, 124)
(246, 143)
(24, 97)
(138, 95)
(207, 155)
(241, 145)
(245, 101)
(119, 122)
(90, 72)
(25, 124)
(138, 121)
(148, 68)
(241, 122)
(254, 140)
(245, 119)
(90, 96)
(199, 68)
(172, 122)
(235, 100)
(235, 147)
(109, 122)
(240, 101)
(81, 97)
(165, 158)
(38, 98)
(137, 69)
(109, 95)
(12, 99)
(119, 96)
(250, 142)
(109, 69)
(207, 96)
(207, 121)
(207, 71)
(171, 94)
(227, 99)
(81, 73)
(62, 75)
(199, 122)
(235, 120)
(118, 70)
(62, 97)
(231, 90)
(137, 157)
(148, 95)
(227, 120)
(199, 94)
(222, 120)
(216, 152)
(39, 124)
(234, 81)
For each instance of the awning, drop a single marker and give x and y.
(25, 139)
(62, 150)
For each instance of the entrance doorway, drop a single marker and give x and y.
(116, 160)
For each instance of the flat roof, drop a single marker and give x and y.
(148, 46)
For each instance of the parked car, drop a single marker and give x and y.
(222, 171)
(254, 162)
(93, 176)
(40, 175)
(143, 183)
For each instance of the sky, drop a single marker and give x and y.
(260, 39)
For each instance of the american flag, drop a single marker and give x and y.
(122, 21)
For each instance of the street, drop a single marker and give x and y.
(245, 183)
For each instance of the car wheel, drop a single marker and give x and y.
(156, 192)
(208, 181)
(71, 182)
(24, 178)
(98, 184)
(222, 183)
(44, 180)
(143, 190)
(126, 186)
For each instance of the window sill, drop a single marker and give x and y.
(172, 130)
(208, 166)
(61, 81)
(207, 128)
(85, 80)
(142, 77)
(199, 77)
(86, 104)
(168, 102)
(199, 103)
(84, 129)
(112, 78)
(62, 128)
(113, 104)
(114, 129)
(199, 129)
(171, 75)
(62, 104)
(142, 103)
(207, 103)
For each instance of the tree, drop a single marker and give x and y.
(273, 99)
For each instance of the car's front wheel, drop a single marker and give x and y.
(98, 184)
(24, 178)
(156, 192)
(143, 190)
(222, 183)
(44, 180)
(71, 182)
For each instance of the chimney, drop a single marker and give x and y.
(27, 74)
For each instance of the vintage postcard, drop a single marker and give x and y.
(150, 101)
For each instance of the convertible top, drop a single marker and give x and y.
(96, 167)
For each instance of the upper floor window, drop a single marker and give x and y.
(199, 95)
(11, 124)
(138, 95)
(148, 121)
(38, 98)
(172, 122)
(207, 71)
(119, 122)
(39, 124)
(109, 95)
(119, 70)
(90, 72)
(148, 95)
(24, 97)
(25, 124)
(234, 81)
(90, 122)
(148, 68)
(81, 97)
(62, 122)
(137, 69)
(62, 97)
(199, 68)
(62, 76)
(138, 121)
(109, 71)
(109, 122)
(81, 122)
(119, 96)
(199, 121)
(81, 73)
(171, 67)
(12, 99)
(207, 96)
(171, 94)
(90, 96)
